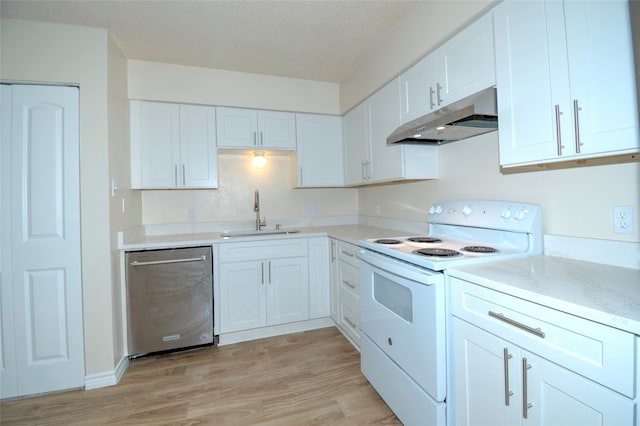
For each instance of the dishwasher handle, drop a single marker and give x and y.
(163, 262)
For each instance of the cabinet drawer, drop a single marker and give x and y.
(256, 250)
(350, 315)
(348, 253)
(598, 352)
(349, 278)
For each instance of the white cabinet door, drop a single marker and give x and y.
(605, 94)
(469, 61)
(319, 277)
(419, 96)
(319, 151)
(252, 129)
(198, 154)
(237, 128)
(383, 108)
(287, 290)
(486, 378)
(40, 250)
(356, 146)
(277, 130)
(558, 96)
(242, 296)
(159, 144)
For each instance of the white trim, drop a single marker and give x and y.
(109, 378)
(274, 330)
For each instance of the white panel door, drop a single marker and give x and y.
(45, 239)
(319, 153)
(387, 162)
(287, 290)
(277, 130)
(242, 296)
(198, 156)
(418, 85)
(356, 146)
(236, 128)
(160, 140)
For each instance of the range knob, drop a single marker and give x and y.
(466, 210)
(520, 214)
(437, 209)
(505, 213)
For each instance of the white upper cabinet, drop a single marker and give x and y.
(368, 158)
(462, 66)
(319, 151)
(252, 129)
(173, 146)
(566, 84)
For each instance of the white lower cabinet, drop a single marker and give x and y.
(319, 278)
(348, 291)
(502, 381)
(263, 283)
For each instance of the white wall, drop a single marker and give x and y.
(178, 83)
(40, 52)
(575, 201)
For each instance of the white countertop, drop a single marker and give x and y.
(348, 233)
(606, 294)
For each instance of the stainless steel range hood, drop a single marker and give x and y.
(471, 116)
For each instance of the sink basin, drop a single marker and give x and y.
(253, 232)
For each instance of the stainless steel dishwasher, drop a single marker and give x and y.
(169, 299)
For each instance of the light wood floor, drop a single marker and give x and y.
(304, 378)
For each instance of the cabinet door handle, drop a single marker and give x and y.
(164, 262)
(261, 139)
(576, 124)
(175, 175)
(506, 356)
(333, 251)
(184, 176)
(438, 89)
(558, 135)
(431, 93)
(262, 271)
(255, 139)
(525, 404)
(537, 331)
(269, 272)
(348, 284)
(301, 180)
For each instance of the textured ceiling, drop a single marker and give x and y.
(316, 40)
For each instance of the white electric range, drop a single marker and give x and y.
(403, 297)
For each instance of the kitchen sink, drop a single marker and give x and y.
(253, 232)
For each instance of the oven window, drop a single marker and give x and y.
(393, 296)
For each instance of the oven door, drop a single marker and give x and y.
(402, 310)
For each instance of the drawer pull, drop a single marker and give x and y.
(538, 332)
(506, 356)
(389, 341)
(348, 284)
(351, 323)
(346, 253)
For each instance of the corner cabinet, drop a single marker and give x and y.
(462, 66)
(566, 83)
(516, 362)
(263, 283)
(173, 146)
(367, 157)
(240, 128)
(318, 158)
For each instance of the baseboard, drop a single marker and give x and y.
(109, 378)
(275, 330)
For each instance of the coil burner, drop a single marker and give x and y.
(424, 240)
(479, 249)
(388, 242)
(437, 252)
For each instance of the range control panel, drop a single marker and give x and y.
(503, 215)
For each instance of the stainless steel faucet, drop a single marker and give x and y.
(256, 208)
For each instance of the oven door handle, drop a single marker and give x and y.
(398, 267)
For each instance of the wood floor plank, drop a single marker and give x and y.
(303, 378)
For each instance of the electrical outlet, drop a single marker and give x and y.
(312, 210)
(623, 219)
(191, 215)
(377, 210)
